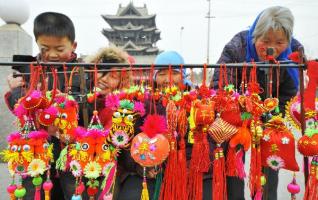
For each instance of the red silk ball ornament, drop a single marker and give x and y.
(308, 146)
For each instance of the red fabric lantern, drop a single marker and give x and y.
(204, 112)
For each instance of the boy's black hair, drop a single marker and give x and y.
(54, 24)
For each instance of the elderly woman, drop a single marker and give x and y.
(273, 28)
(112, 80)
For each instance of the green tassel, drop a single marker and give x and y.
(61, 161)
(246, 116)
(157, 186)
(277, 109)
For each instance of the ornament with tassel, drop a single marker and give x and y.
(293, 188)
(20, 191)
(37, 182)
(11, 188)
(150, 147)
(47, 186)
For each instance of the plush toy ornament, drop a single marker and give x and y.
(150, 147)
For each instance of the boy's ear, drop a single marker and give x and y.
(74, 45)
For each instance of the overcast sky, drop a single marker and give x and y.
(231, 16)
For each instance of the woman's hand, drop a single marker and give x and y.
(14, 82)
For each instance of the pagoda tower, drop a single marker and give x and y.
(135, 31)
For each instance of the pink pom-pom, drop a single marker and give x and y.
(293, 187)
(13, 136)
(71, 104)
(139, 108)
(11, 188)
(41, 134)
(59, 99)
(36, 94)
(122, 95)
(51, 110)
(80, 189)
(20, 111)
(154, 124)
(80, 132)
(95, 133)
(240, 165)
(112, 102)
(47, 185)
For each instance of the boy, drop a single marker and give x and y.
(55, 36)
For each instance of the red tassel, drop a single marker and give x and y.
(234, 163)
(255, 170)
(205, 153)
(258, 195)
(181, 173)
(240, 165)
(181, 176)
(252, 175)
(169, 182)
(37, 195)
(219, 176)
(168, 187)
(199, 164)
(312, 183)
(231, 168)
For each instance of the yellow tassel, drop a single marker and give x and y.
(144, 193)
(47, 195)
(192, 126)
(12, 196)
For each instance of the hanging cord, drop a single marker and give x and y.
(204, 75)
(244, 78)
(220, 83)
(270, 84)
(54, 89)
(182, 86)
(95, 86)
(231, 75)
(236, 79)
(70, 82)
(152, 99)
(65, 78)
(170, 77)
(123, 78)
(277, 79)
(222, 76)
(140, 77)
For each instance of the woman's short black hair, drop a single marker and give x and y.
(54, 24)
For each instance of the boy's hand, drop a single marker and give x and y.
(53, 131)
(15, 82)
(152, 173)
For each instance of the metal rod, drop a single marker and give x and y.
(148, 66)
